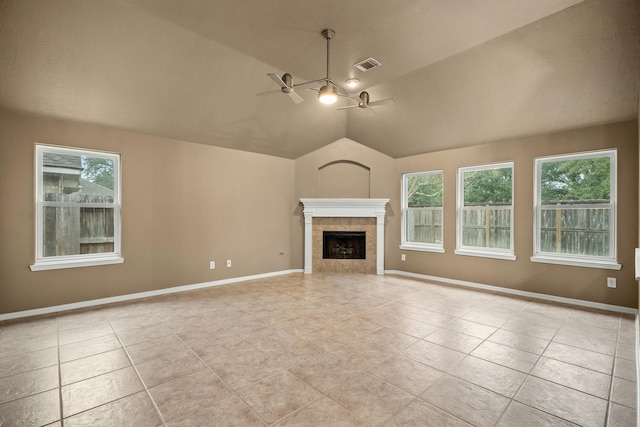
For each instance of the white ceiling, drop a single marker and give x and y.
(461, 72)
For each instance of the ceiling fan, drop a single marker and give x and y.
(363, 102)
(286, 87)
(327, 94)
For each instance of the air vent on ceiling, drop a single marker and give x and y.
(367, 64)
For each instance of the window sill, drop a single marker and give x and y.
(423, 248)
(577, 262)
(73, 263)
(486, 254)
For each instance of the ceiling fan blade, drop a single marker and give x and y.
(276, 78)
(269, 92)
(369, 110)
(387, 101)
(347, 106)
(284, 88)
(295, 97)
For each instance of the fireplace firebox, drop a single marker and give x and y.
(344, 245)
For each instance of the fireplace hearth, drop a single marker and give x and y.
(344, 245)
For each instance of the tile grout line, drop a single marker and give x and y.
(421, 399)
(444, 372)
(573, 308)
(231, 389)
(146, 389)
(98, 308)
(511, 399)
(613, 370)
(529, 373)
(323, 394)
(394, 354)
(59, 373)
(326, 395)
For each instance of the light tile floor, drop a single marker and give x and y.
(333, 350)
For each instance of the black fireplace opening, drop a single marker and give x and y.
(344, 245)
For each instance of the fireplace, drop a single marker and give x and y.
(363, 215)
(344, 245)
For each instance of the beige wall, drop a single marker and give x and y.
(572, 282)
(184, 204)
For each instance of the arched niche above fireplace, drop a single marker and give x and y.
(344, 178)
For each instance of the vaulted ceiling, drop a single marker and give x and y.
(461, 72)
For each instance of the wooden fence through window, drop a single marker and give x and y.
(580, 231)
(74, 230)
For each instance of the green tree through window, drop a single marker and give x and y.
(424, 190)
(581, 180)
(98, 170)
(488, 187)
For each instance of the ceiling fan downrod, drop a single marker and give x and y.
(328, 34)
(328, 93)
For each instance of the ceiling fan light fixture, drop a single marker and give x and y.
(327, 94)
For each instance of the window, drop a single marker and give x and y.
(575, 210)
(77, 208)
(422, 211)
(485, 211)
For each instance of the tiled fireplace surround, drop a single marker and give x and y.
(344, 215)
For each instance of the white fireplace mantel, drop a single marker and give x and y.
(343, 208)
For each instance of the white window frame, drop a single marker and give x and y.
(80, 260)
(505, 254)
(609, 263)
(419, 246)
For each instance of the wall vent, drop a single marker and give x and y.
(367, 64)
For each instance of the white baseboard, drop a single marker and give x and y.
(129, 297)
(637, 371)
(546, 297)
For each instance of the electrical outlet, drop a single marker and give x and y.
(611, 282)
(403, 257)
(212, 265)
(228, 263)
